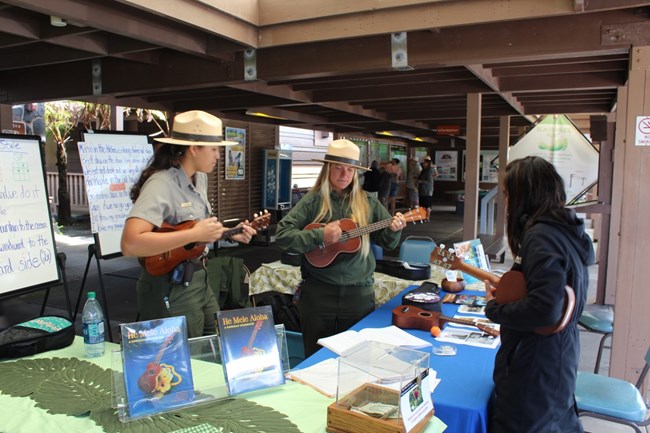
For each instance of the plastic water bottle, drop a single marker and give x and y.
(92, 321)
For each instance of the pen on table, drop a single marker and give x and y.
(166, 299)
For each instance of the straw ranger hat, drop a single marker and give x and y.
(343, 152)
(427, 158)
(196, 128)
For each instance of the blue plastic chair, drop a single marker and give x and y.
(416, 250)
(613, 399)
(598, 319)
(295, 347)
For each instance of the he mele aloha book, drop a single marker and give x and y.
(249, 349)
(156, 364)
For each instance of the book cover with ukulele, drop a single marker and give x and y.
(249, 349)
(156, 365)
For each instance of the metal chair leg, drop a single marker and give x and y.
(601, 346)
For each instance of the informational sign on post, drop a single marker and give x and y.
(642, 135)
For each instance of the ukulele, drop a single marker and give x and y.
(248, 349)
(162, 263)
(511, 286)
(350, 240)
(410, 317)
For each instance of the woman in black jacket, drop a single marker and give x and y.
(534, 374)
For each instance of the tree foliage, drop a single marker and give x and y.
(61, 119)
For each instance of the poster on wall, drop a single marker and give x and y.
(558, 140)
(488, 166)
(236, 155)
(447, 164)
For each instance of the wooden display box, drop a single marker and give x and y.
(340, 419)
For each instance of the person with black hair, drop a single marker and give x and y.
(172, 189)
(535, 374)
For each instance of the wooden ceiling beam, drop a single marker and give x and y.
(577, 36)
(119, 19)
(604, 80)
(300, 21)
(234, 20)
(401, 91)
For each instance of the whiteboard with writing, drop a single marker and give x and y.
(111, 164)
(27, 247)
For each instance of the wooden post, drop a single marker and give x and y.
(472, 152)
(631, 320)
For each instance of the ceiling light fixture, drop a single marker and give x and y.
(267, 116)
(57, 21)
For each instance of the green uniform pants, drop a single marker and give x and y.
(327, 310)
(196, 302)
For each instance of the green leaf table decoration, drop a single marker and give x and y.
(75, 387)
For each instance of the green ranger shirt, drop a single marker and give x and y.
(348, 269)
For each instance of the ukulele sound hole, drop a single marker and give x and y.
(424, 314)
(190, 246)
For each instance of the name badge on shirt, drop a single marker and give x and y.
(186, 204)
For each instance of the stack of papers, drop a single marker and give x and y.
(392, 335)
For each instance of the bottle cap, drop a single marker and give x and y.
(91, 295)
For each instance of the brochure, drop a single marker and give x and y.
(249, 349)
(156, 365)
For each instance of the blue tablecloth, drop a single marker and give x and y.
(462, 397)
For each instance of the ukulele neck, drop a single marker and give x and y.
(476, 272)
(228, 234)
(360, 231)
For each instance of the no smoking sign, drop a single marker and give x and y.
(642, 136)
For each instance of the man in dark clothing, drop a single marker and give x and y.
(534, 372)
(384, 185)
(371, 180)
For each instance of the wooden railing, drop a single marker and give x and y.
(76, 189)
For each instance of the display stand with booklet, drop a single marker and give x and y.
(471, 252)
(249, 349)
(156, 366)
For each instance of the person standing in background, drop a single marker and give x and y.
(535, 374)
(413, 174)
(371, 180)
(173, 189)
(396, 175)
(384, 184)
(425, 185)
(335, 296)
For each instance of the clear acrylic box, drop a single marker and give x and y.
(371, 377)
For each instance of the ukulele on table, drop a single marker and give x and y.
(160, 264)
(510, 287)
(350, 240)
(410, 317)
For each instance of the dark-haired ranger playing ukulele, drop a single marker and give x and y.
(173, 189)
(334, 297)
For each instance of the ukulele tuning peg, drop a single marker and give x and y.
(255, 215)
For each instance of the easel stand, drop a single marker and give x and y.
(60, 261)
(93, 252)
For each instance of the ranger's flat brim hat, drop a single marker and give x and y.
(343, 152)
(196, 128)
